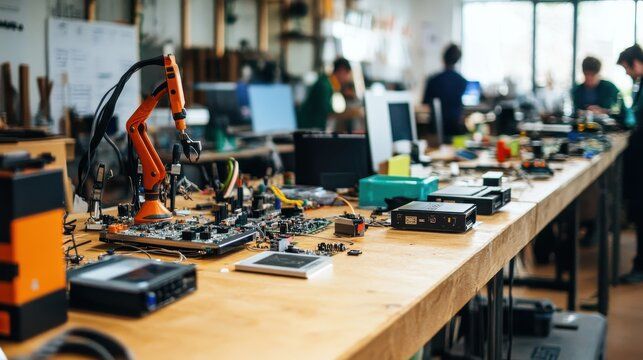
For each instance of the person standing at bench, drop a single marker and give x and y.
(448, 86)
(631, 59)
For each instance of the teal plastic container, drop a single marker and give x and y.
(374, 189)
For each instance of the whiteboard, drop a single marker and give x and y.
(85, 59)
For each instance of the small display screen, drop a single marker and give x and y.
(289, 261)
(145, 273)
(400, 118)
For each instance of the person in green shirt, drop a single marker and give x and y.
(597, 95)
(324, 99)
(631, 59)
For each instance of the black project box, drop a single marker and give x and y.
(129, 286)
(488, 199)
(434, 216)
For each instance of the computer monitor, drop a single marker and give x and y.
(222, 99)
(400, 118)
(331, 161)
(472, 94)
(389, 118)
(272, 109)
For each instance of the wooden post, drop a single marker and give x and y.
(25, 105)
(136, 10)
(185, 24)
(90, 10)
(284, 26)
(219, 27)
(262, 25)
(317, 38)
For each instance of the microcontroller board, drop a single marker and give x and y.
(297, 226)
(204, 237)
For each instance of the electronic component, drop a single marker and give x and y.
(350, 225)
(537, 149)
(261, 205)
(129, 286)
(291, 211)
(203, 206)
(537, 169)
(220, 212)
(330, 249)
(563, 147)
(354, 252)
(125, 210)
(492, 178)
(466, 154)
(296, 226)
(487, 199)
(296, 265)
(175, 171)
(434, 216)
(208, 238)
(280, 244)
(95, 213)
(242, 219)
(32, 281)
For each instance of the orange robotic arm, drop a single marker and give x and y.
(152, 210)
(191, 149)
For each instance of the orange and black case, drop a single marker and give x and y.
(32, 269)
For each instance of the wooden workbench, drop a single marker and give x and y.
(566, 185)
(385, 303)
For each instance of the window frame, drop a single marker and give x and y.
(575, 3)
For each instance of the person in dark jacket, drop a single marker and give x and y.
(632, 61)
(448, 86)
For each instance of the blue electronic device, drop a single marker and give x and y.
(472, 94)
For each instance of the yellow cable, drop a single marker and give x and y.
(280, 195)
(347, 203)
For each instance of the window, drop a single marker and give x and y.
(554, 37)
(497, 38)
(605, 28)
(639, 22)
(497, 43)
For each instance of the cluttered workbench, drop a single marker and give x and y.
(385, 303)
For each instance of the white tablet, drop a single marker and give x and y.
(287, 264)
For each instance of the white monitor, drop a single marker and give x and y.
(272, 109)
(390, 118)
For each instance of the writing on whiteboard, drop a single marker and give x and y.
(85, 59)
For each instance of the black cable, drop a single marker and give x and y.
(511, 308)
(99, 111)
(77, 345)
(107, 112)
(133, 174)
(119, 156)
(85, 342)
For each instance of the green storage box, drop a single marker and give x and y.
(374, 189)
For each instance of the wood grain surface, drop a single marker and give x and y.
(385, 303)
